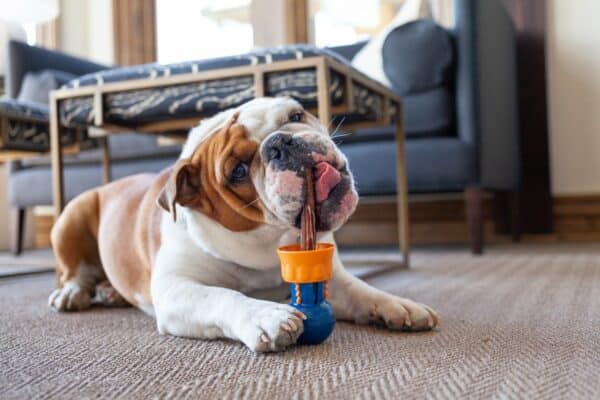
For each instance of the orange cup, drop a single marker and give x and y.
(306, 266)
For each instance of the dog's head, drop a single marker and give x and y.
(245, 168)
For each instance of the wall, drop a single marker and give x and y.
(573, 55)
(86, 29)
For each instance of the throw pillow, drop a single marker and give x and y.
(418, 56)
(369, 59)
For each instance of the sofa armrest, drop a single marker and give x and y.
(23, 58)
(486, 90)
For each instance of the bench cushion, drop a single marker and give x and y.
(28, 128)
(188, 100)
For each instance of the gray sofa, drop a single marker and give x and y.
(29, 182)
(459, 95)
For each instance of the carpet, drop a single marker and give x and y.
(518, 322)
(30, 261)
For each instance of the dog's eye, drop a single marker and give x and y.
(239, 173)
(296, 117)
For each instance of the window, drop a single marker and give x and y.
(31, 33)
(199, 29)
(339, 22)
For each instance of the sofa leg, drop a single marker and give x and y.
(17, 224)
(515, 216)
(106, 162)
(474, 211)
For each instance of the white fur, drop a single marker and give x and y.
(203, 272)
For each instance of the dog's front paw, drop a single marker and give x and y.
(70, 297)
(272, 327)
(398, 313)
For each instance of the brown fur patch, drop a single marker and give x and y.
(115, 228)
(129, 233)
(203, 183)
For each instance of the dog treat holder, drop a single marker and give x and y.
(308, 273)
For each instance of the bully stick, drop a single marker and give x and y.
(308, 234)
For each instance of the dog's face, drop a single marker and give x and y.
(246, 168)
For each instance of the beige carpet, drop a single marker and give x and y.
(519, 322)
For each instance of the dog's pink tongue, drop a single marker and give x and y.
(326, 178)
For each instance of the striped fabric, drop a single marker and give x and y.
(191, 100)
(208, 98)
(28, 128)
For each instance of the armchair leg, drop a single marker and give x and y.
(17, 223)
(474, 211)
(515, 216)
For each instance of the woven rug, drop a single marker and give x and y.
(518, 322)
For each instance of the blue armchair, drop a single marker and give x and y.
(460, 110)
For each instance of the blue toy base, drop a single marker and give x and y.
(320, 319)
(319, 323)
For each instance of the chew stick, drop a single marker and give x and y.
(308, 233)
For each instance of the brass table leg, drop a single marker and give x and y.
(402, 189)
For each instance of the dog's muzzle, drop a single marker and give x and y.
(289, 156)
(285, 152)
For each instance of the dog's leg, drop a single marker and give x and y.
(78, 263)
(354, 300)
(185, 307)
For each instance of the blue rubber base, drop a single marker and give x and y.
(320, 319)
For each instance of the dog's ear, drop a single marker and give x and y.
(182, 186)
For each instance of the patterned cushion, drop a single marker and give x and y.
(28, 128)
(28, 122)
(24, 109)
(205, 99)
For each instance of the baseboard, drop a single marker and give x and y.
(433, 220)
(577, 217)
(442, 221)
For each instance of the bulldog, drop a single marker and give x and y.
(195, 246)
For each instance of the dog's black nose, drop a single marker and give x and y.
(279, 147)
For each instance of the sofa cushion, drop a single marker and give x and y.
(429, 113)
(418, 56)
(28, 128)
(36, 86)
(426, 114)
(433, 165)
(33, 186)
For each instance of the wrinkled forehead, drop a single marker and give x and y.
(264, 116)
(260, 117)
